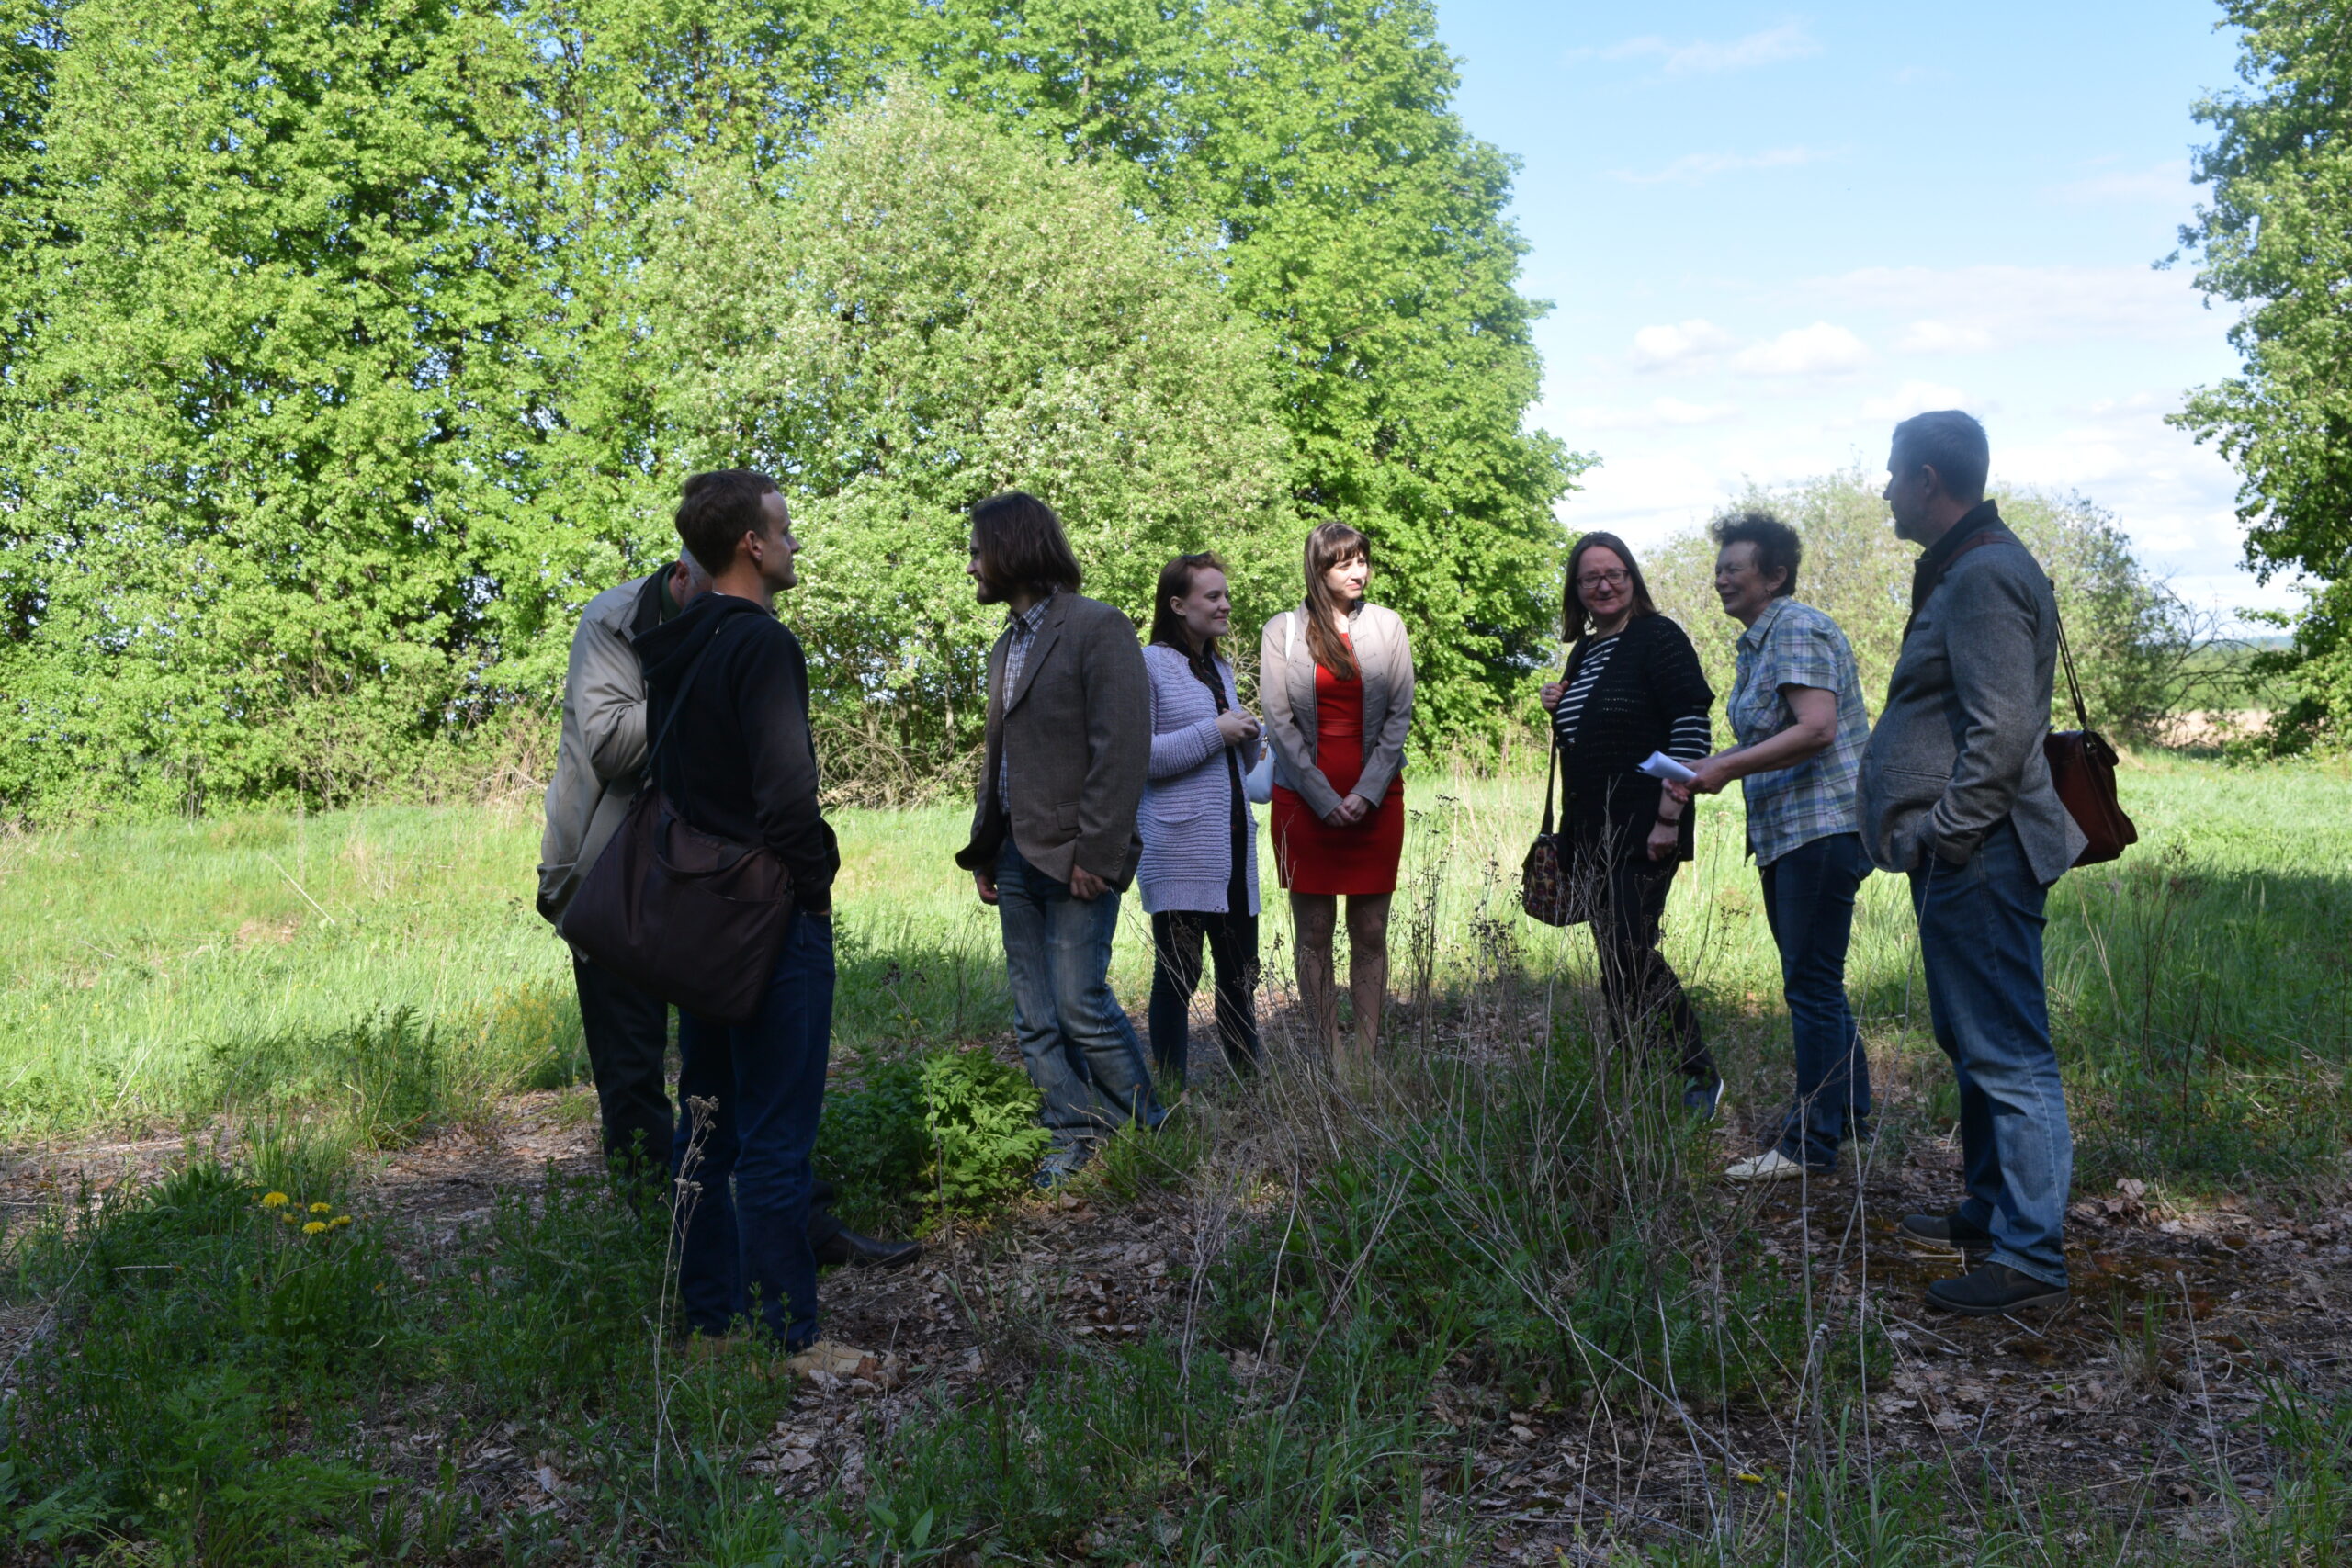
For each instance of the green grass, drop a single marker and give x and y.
(1389, 1268)
(164, 973)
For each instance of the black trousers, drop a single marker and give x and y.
(1640, 989)
(1176, 937)
(628, 1034)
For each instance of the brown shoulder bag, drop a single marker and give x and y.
(694, 918)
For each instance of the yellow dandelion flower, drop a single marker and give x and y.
(316, 1227)
(275, 1199)
(340, 1220)
(323, 1207)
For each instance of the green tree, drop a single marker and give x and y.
(1315, 143)
(268, 401)
(930, 310)
(2276, 241)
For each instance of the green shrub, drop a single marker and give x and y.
(982, 1117)
(913, 1140)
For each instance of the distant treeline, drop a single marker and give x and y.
(347, 350)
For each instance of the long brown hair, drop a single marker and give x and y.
(1020, 545)
(1176, 582)
(1330, 545)
(1574, 620)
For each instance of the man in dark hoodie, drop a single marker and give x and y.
(740, 764)
(598, 770)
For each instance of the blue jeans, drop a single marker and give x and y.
(1980, 938)
(746, 1247)
(1809, 903)
(1080, 1051)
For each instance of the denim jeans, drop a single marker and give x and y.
(1980, 938)
(1809, 903)
(1176, 937)
(746, 1248)
(1080, 1051)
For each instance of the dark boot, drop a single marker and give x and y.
(1992, 1290)
(846, 1246)
(1944, 1230)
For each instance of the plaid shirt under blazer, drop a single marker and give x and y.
(1077, 734)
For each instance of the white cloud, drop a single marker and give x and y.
(1705, 57)
(1654, 349)
(1694, 167)
(1820, 349)
(1943, 337)
(1914, 396)
(2167, 181)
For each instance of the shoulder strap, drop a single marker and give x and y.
(2066, 662)
(1552, 763)
(679, 706)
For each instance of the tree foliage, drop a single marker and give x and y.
(2276, 240)
(339, 376)
(934, 310)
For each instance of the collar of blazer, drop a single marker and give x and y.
(1049, 632)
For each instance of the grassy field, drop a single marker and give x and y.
(164, 973)
(1487, 1306)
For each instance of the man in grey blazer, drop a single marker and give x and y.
(1053, 840)
(1956, 792)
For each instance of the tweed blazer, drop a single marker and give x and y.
(1958, 747)
(1187, 818)
(1286, 690)
(1079, 734)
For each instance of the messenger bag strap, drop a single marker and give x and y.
(679, 706)
(2066, 658)
(1552, 765)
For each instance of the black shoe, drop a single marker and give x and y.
(1704, 1097)
(1944, 1230)
(846, 1246)
(1992, 1290)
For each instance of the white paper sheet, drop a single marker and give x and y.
(1658, 765)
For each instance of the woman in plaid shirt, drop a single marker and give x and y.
(1796, 710)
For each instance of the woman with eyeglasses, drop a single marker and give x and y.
(1632, 686)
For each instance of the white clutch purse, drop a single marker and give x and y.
(1260, 780)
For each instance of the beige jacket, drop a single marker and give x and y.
(1286, 690)
(601, 751)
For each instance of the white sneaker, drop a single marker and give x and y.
(1769, 1166)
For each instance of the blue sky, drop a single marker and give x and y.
(1767, 233)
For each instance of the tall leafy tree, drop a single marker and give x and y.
(2276, 241)
(930, 310)
(1314, 141)
(268, 401)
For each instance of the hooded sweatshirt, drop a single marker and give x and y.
(740, 763)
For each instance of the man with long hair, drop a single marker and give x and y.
(1053, 840)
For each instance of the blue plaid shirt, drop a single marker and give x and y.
(1793, 644)
(1022, 625)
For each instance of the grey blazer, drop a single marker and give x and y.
(1080, 729)
(1286, 690)
(1959, 745)
(602, 750)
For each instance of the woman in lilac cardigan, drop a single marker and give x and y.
(1199, 872)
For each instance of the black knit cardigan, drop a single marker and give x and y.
(1646, 699)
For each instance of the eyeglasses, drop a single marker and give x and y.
(1592, 580)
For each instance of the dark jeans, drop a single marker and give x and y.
(1080, 1051)
(628, 1032)
(1809, 903)
(1980, 939)
(745, 1248)
(1176, 936)
(1639, 988)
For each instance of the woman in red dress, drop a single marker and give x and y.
(1335, 680)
